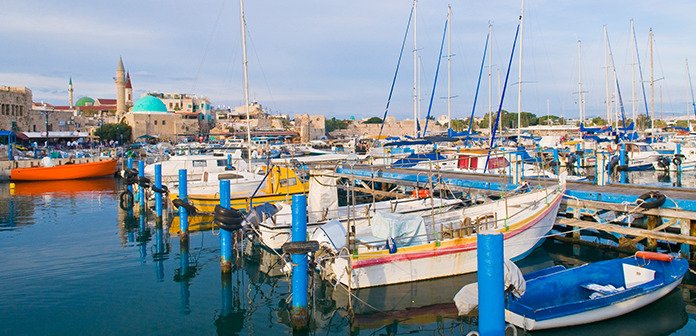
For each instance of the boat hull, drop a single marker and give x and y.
(594, 315)
(433, 261)
(65, 172)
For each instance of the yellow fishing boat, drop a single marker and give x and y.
(278, 186)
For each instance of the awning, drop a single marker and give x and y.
(22, 136)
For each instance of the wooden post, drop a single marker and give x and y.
(652, 224)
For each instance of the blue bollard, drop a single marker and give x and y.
(225, 236)
(141, 173)
(555, 158)
(183, 195)
(299, 272)
(142, 238)
(229, 161)
(624, 161)
(679, 169)
(491, 282)
(159, 248)
(158, 185)
(130, 166)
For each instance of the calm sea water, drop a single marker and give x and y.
(73, 263)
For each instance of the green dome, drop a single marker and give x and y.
(84, 100)
(149, 104)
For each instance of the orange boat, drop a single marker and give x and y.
(64, 172)
(66, 187)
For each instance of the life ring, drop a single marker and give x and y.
(126, 200)
(677, 161)
(654, 256)
(181, 203)
(301, 247)
(652, 199)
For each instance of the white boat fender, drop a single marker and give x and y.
(467, 297)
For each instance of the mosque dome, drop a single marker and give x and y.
(84, 101)
(149, 104)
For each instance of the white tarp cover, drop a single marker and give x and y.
(390, 225)
(323, 196)
(467, 297)
(47, 162)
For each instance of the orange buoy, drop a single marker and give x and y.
(654, 256)
(423, 193)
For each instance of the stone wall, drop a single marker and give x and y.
(310, 127)
(15, 105)
(392, 128)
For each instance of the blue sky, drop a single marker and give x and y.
(338, 58)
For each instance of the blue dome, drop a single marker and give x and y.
(149, 104)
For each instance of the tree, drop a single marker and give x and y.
(598, 121)
(373, 120)
(458, 124)
(114, 132)
(334, 124)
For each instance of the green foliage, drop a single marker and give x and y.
(598, 121)
(334, 124)
(114, 131)
(373, 120)
(458, 124)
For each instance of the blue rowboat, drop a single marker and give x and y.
(558, 297)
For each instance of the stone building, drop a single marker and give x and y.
(310, 127)
(183, 102)
(392, 128)
(15, 104)
(149, 116)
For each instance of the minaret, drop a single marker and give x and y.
(120, 88)
(70, 93)
(129, 91)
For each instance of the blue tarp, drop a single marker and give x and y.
(602, 129)
(629, 128)
(452, 133)
(413, 159)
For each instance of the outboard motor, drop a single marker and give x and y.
(260, 213)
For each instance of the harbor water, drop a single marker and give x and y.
(74, 263)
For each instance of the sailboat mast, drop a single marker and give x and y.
(606, 76)
(490, 95)
(633, 72)
(582, 120)
(449, 73)
(652, 86)
(415, 67)
(519, 78)
(246, 82)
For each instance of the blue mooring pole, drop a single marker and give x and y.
(299, 271)
(678, 152)
(229, 161)
(130, 166)
(491, 282)
(225, 236)
(555, 158)
(141, 173)
(624, 161)
(158, 185)
(183, 195)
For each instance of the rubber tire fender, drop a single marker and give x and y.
(164, 189)
(677, 161)
(228, 227)
(219, 210)
(126, 200)
(652, 200)
(623, 168)
(188, 206)
(301, 247)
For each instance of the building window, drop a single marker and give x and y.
(155, 122)
(162, 122)
(171, 105)
(34, 128)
